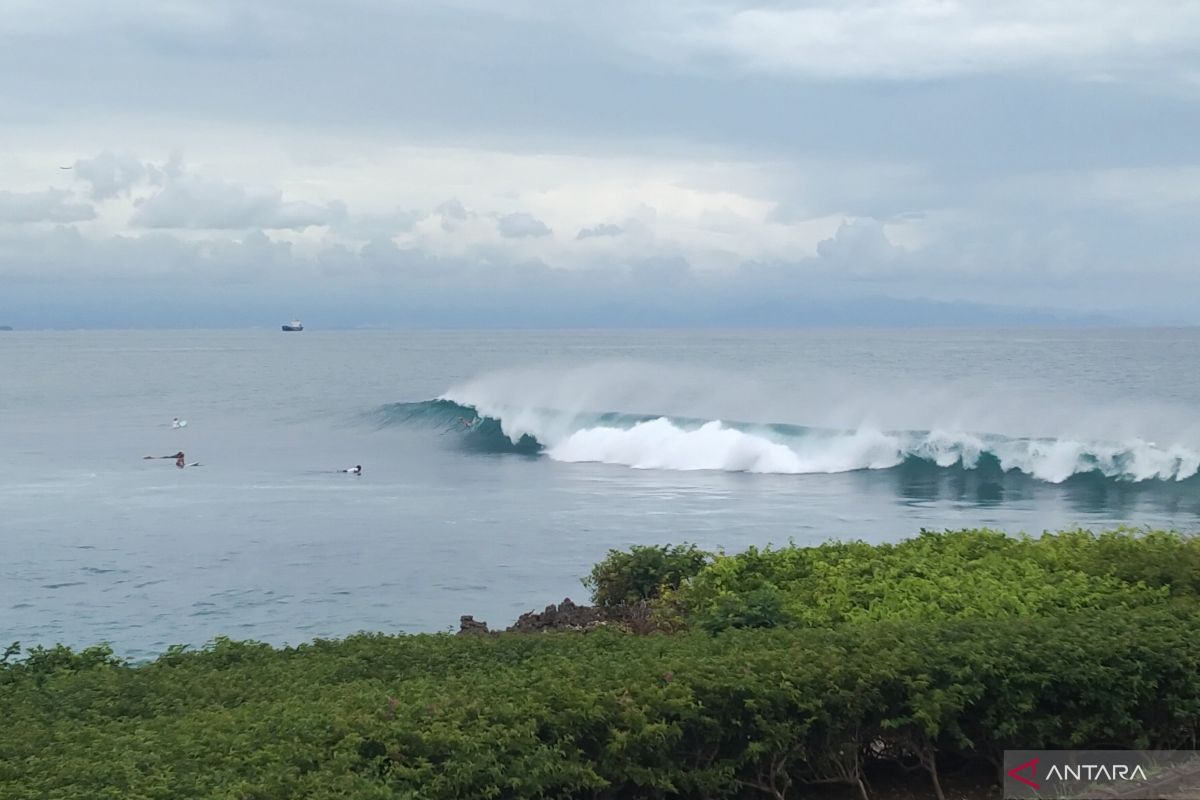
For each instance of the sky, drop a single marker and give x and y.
(629, 163)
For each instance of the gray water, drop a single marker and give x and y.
(267, 541)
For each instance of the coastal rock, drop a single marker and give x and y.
(637, 618)
(566, 616)
(467, 626)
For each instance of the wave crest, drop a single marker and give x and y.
(645, 441)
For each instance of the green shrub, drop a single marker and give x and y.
(598, 715)
(948, 648)
(1154, 558)
(969, 573)
(643, 573)
(763, 607)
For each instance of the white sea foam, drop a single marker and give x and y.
(559, 410)
(661, 444)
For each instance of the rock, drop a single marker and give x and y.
(637, 618)
(467, 626)
(566, 616)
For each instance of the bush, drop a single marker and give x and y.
(953, 574)
(643, 573)
(745, 713)
(763, 607)
(826, 663)
(1154, 558)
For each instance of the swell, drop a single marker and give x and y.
(473, 430)
(646, 441)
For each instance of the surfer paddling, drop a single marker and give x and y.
(180, 460)
(355, 470)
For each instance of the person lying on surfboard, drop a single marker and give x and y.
(180, 461)
(355, 470)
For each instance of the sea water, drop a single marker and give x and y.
(499, 466)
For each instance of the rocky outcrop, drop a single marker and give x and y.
(467, 626)
(566, 616)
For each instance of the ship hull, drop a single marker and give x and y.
(293, 327)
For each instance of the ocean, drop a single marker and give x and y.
(498, 466)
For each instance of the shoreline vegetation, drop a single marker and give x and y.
(845, 670)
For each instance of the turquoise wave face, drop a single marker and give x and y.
(647, 441)
(472, 431)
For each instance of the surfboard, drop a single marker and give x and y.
(181, 424)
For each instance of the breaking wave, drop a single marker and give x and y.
(646, 441)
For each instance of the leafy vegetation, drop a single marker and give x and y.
(643, 573)
(936, 652)
(939, 575)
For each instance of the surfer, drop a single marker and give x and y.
(467, 423)
(355, 470)
(178, 423)
(180, 461)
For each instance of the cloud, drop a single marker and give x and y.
(252, 257)
(859, 245)
(662, 272)
(192, 201)
(936, 148)
(1153, 192)
(52, 205)
(1018, 239)
(520, 224)
(603, 229)
(381, 251)
(786, 214)
(258, 279)
(112, 174)
(453, 214)
(375, 226)
(896, 40)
